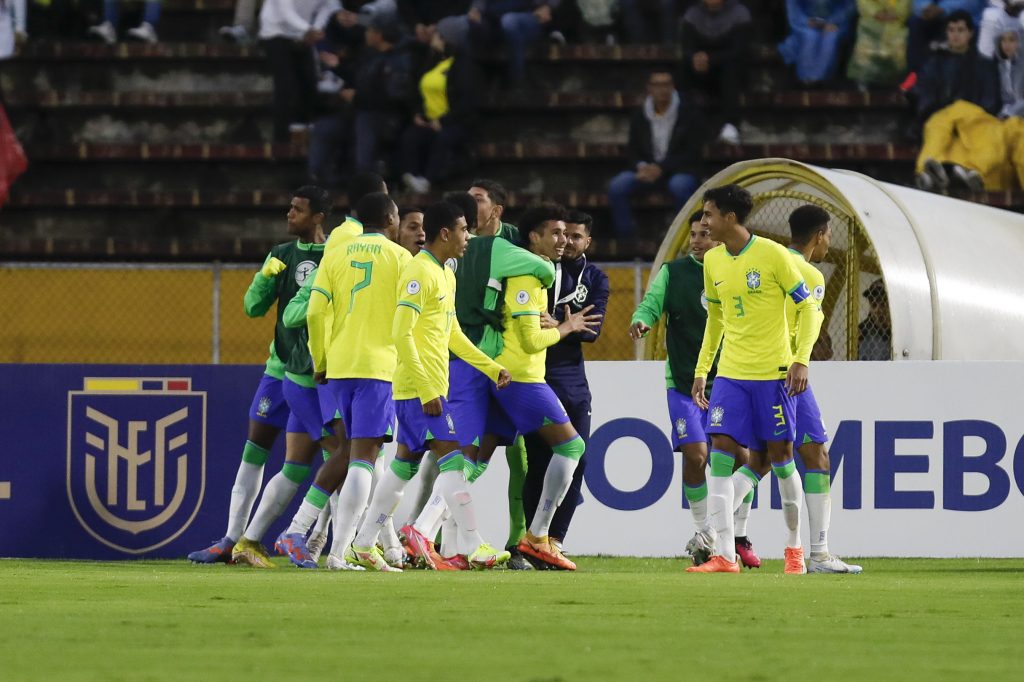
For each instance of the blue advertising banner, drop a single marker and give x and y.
(115, 462)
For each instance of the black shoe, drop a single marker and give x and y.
(518, 562)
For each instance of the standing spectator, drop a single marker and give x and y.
(716, 34)
(879, 53)
(444, 125)
(649, 21)
(818, 30)
(523, 23)
(579, 286)
(665, 137)
(927, 23)
(874, 334)
(288, 31)
(145, 31)
(994, 22)
(383, 94)
(958, 95)
(12, 28)
(1010, 62)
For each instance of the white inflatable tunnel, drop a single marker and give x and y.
(950, 271)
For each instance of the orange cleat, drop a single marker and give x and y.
(540, 548)
(457, 562)
(716, 564)
(795, 561)
(422, 548)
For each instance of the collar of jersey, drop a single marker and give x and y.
(431, 257)
(792, 250)
(694, 259)
(373, 234)
(745, 246)
(310, 246)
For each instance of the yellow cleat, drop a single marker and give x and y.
(252, 553)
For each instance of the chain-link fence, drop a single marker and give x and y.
(185, 314)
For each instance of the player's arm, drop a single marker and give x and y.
(525, 303)
(651, 307)
(714, 330)
(262, 293)
(508, 260)
(411, 297)
(462, 347)
(808, 324)
(294, 315)
(320, 297)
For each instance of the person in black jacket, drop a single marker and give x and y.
(444, 125)
(665, 137)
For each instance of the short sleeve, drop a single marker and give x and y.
(523, 296)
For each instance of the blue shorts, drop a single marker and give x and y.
(688, 420)
(328, 405)
(416, 429)
(476, 413)
(305, 407)
(365, 406)
(752, 412)
(530, 406)
(268, 405)
(810, 428)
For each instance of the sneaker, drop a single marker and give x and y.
(486, 556)
(235, 34)
(539, 548)
(716, 564)
(745, 551)
(336, 563)
(144, 32)
(938, 174)
(371, 558)
(218, 552)
(516, 561)
(315, 544)
(416, 183)
(423, 549)
(795, 561)
(293, 546)
(830, 563)
(729, 134)
(969, 177)
(104, 32)
(701, 546)
(251, 553)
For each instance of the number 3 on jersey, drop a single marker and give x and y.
(739, 306)
(367, 268)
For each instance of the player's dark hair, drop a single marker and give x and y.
(495, 190)
(406, 210)
(439, 216)
(467, 203)
(373, 210)
(731, 199)
(579, 218)
(319, 198)
(961, 15)
(805, 221)
(696, 217)
(534, 217)
(362, 184)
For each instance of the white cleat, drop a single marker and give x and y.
(395, 556)
(701, 546)
(316, 544)
(336, 563)
(831, 564)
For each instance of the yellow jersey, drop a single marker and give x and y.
(746, 296)
(425, 328)
(360, 283)
(525, 343)
(816, 284)
(348, 229)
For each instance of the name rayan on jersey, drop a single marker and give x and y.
(365, 248)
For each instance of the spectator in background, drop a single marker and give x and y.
(448, 109)
(665, 139)
(145, 31)
(288, 31)
(879, 53)
(420, 17)
(716, 35)
(523, 23)
(994, 22)
(1010, 62)
(650, 21)
(12, 28)
(926, 26)
(874, 333)
(958, 95)
(818, 30)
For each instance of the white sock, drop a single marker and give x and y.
(740, 519)
(556, 482)
(389, 536)
(352, 499)
(276, 497)
(430, 517)
(720, 516)
(323, 521)
(243, 495)
(304, 518)
(792, 493)
(436, 528)
(450, 537)
(741, 485)
(819, 515)
(699, 511)
(386, 496)
(427, 475)
(455, 489)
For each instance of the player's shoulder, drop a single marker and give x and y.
(523, 282)
(283, 249)
(715, 254)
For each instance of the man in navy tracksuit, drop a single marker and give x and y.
(578, 284)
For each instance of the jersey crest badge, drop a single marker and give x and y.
(704, 299)
(452, 264)
(412, 288)
(819, 292)
(523, 297)
(681, 428)
(716, 415)
(451, 424)
(263, 406)
(303, 270)
(753, 279)
(581, 294)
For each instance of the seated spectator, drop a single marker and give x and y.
(874, 333)
(145, 31)
(523, 23)
(880, 51)
(665, 138)
(448, 110)
(926, 26)
(994, 22)
(649, 21)
(716, 34)
(12, 27)
(958, 95)
(818, 29)
(1010, 62)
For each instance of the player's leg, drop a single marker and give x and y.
(745, 477)
(579, 416)
(775, 424)
(538, 456)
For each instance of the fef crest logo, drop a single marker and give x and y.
(136, 462)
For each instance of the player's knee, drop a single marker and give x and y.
(572, 449)
(296, 473)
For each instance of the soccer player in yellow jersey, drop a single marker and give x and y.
(360, 285)
(425, 330)
(747, 280)
(528, 402)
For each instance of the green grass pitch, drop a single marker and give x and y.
(614, 619)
